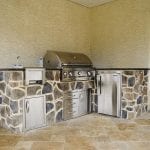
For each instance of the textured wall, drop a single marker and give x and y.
(30, 27)
(121, 34)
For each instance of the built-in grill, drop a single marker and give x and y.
(73, 66)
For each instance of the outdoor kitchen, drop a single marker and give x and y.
(75, 75)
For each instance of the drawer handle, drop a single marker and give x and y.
(27, 106)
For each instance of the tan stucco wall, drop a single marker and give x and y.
(121, 34)
(30, 27)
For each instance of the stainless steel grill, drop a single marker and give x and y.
(73, 66)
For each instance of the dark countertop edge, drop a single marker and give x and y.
(122, 68)
(23, 69)
(12, 69)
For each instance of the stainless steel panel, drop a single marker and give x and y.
(109, 93)
(75, 104)
(34, 112)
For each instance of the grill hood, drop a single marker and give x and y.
(57, 60)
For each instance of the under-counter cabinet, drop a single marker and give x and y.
(35, 113)
(75, 104)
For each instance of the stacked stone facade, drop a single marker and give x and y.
(13, 93)
(134, 96)
(134, 99)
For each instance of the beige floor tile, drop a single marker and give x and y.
(90, 132)
(111, 146)
(78, 147)
(124, 136)
(47, 146)
(143, 121)
(7, 148)
(23, 145)
(9, 140)
(37, 136)
(139, 145)
(57, 138)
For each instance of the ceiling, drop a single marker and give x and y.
(91, 3)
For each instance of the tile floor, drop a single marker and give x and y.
(90, 132)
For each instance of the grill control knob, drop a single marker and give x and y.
(65, 74)
(79, 73)
(89, 73)
(70, 74)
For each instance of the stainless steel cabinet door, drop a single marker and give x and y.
(109, 94)
(34, 112)
(82, 103)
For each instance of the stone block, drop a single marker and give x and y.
(33, 90)
(5, 100)
(146, 79)
(14, 106)
(50, 118)
(3, 111)
(137, 87)
(135, 95)
(49, 97)
(57, 76)
(131, 81)
(131, 103)
(17, 94)
(139, 112)
(129, 108)
(131, 115)
(145, 72)
(124, 114)
(144, 90)
(21, 103)
(63, 86)
(7, 76)
(15, 120)
(57, 93)
(127, 89)
(58, 105)
(50, 75)
(14, 84)
(123, 104)
(3, 123)
(16, 76)
(129, 96)
(59, 116)
(16, 129)
(124, 79)
(8, 111)
(72, 84)
(1, 76)
(47, 88)
(139, 100)
(49, 107)
(1, 100)
(79, 85)
(141, 77)
(145, 99)
(3, 86)
(8, 91)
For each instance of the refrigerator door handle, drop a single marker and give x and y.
(100, 85)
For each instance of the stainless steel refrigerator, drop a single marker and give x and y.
(109, 92)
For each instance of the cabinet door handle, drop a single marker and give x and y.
(27, 106)
(100, 84)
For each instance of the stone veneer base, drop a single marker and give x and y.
(13, 92)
